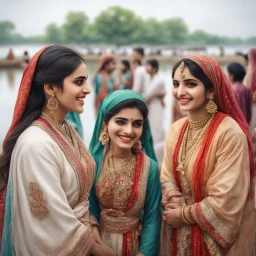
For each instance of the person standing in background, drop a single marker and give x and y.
(141, 77)
(104, 83)
(236, 73)
(250, 82)
(154, 97)
(125, 76)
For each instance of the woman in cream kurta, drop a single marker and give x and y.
(215, 181)
(48, 220)
(45, 167)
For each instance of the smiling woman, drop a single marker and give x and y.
(208, 168)
(127, 180)
(45, 167)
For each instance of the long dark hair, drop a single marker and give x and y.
(54, 64)
(131, 103)
(196, 71)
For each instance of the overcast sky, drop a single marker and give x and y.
(222, 17)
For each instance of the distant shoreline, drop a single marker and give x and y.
(222, 60)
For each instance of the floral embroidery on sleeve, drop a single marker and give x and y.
(37, 203)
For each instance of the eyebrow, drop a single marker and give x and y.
(82, 77)
(188, 79)
(125, 119)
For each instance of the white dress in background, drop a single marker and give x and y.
(140, 80)
(156, 115)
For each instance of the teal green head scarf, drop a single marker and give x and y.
(96, 148)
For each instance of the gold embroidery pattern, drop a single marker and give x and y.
(129, 220)
(184, 240)
(77, 155)
(209, 221)
(166, 240)
(37, 202)
(114, 187)
(213, 248)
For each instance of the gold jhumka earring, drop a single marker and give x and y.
(104, 137)
(52, 104)
(137, 146)
(211, 106)
(181, 68)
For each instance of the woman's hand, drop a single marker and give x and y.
(95, 231)
(170, 195)
(99, 250)
(173, 217)
(140, 254)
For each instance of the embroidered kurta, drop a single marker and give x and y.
(226, 214)
(47, 209)
(142, 221)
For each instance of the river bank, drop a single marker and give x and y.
(222, 60)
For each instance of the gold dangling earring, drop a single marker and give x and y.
(211, 106)
(52, 104)
(104, 137)
(137, 147)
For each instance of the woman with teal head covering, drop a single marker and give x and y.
(126, 194)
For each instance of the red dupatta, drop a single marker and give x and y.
(128, 237)
(227, 104)
(20, 105)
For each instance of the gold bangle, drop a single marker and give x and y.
(183, 215)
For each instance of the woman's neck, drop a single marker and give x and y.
(117, 151)
(198, 115)
(58, 116)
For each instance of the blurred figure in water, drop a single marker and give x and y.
(10, 55)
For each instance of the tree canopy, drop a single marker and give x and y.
(119, 26)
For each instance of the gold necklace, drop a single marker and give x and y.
(188, 147)
(196, 125)
(126, 159)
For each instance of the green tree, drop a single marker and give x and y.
(118, 26)
(6, 31)
(199, 37)
(74, 29)
(53, 33)
(152, 32)
(251, 40)
(175, 30)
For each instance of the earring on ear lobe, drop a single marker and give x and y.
(137, 147)
(104, 136)
(211, 106)
(52, 104)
